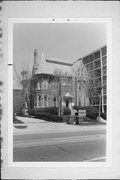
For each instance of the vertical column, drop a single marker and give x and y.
(75, 90)
(102, 102)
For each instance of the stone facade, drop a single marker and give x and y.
(53, 80)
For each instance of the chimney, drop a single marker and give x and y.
(35, 59)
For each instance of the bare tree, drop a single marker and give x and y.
(60, 81)
(81, 77)
(90, 89)
(23, 79)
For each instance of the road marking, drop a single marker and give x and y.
(56, 141)
(97, 159)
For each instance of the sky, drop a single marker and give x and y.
(66, 41)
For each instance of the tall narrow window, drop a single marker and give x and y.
(40, 101)
(45, 100)
(79, 101)
(104, 59)
(55, 101)
(79, 86)
(104, 51)
(35, 101)
(40, 85)
(45, 83)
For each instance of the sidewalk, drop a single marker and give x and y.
(36, 126)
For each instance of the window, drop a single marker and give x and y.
(97, 64)
(45, 83)
(79, 101)
(104, 89)
(92, 74)
(104, 79)
(104, 51)
(45, 100)
(35, 101)
(55, 101)
(92, 57)
(104, 70)
(91, 66)
(40, 85)
(104, 59)
(40, 101)
(91, 81)
(78, 86)
(105, 99)
(86, 60)
(97, 73)
(91, 100)
(97, 55)
(98, 82)
(54, 86)
(84, 101)
(95, 100)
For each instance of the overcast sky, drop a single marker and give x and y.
(68, 41)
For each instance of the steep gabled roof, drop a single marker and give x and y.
(50, 65)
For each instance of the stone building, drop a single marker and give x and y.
(52, 81)
(55, 81)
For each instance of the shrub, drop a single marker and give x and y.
(48, 117)
(103, 115)
(91, 112)
(51, 110)
(86, 119)
(66, 111)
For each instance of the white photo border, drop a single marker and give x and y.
(108, 163)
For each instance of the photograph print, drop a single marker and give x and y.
(59, 92)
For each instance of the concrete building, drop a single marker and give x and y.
(96, 65)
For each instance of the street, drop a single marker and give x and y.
(65, 146)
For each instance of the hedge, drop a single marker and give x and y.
(104, 116)
(51, 110)
(48, 117)
(91, 112)
(66, 111)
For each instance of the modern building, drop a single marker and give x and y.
(96, 65)
(81, 81)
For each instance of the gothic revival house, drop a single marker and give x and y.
(55, 81)
(47, 74)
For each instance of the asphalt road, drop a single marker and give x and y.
(69, 146)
